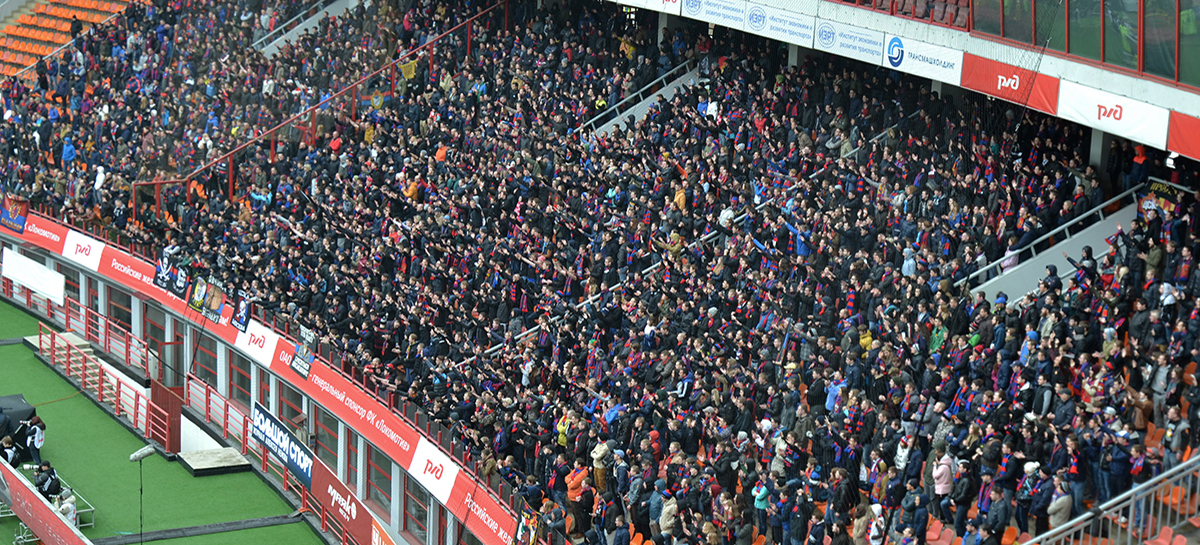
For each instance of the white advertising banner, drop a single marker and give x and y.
(785, 26)
(849, 41)
(923, 59)
(665, 6)
(33, 275)
(632, 3)
(1115, 114)
(726, 13)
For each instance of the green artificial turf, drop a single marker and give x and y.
(15, 322)
(91, 452)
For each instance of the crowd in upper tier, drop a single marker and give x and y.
(742, 314)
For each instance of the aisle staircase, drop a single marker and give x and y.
(38, 28)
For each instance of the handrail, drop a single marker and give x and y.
(312, 110)
(1167, 480)
(283, 28)
(1098, 209)
(596, 120)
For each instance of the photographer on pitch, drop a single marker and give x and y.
(46, 481)
(35, 438)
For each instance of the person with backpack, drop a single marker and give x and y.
(46, 481)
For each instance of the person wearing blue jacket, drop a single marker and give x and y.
(621, 534)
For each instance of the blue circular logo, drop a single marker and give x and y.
(826, 35)
(693, 6)
(756, 18)
(895, 52)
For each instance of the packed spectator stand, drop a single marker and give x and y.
(735, 317)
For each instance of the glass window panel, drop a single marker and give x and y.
(1121, 33)
(1085, 28)
(416, 511)
(239, 379)
(327, 436)
(987, 16)
(379, 476)
(351, 459)
(1189, 42)
(1052, 24)
(1018, 20)
(291, 404)
(1159, 49)
(119, 305)
(205, 367)
(71, 279)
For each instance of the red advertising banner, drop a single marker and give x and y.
(344, 507)
(1010, 83)
(1182, 135)
(35, 511)
(472, 503)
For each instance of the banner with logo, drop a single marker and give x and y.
(83, 250)
(302, 359)
(169, 275)
(241, 312)
(207, 296)
(849, 41)
(14, 211)
(923, 59)
(1011, 83)
(727, 13)
(1114, 114)
(29, 506)
(528, 526)
(1159, 196)
(271, 433)
(779, 24)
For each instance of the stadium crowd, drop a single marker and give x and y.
(739, 315)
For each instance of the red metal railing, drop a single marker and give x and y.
(235, 426)
(112, 338)
(91, 325)
(125, 398)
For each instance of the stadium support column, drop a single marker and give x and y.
(793, 55)
(1098, 153)
(936, 87)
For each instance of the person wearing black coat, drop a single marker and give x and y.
(961, 495)
(1043, 495)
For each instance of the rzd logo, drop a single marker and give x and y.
(1013, 83)
(433, 469)
(258, 340)
(82, 249)
(1113, 113)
